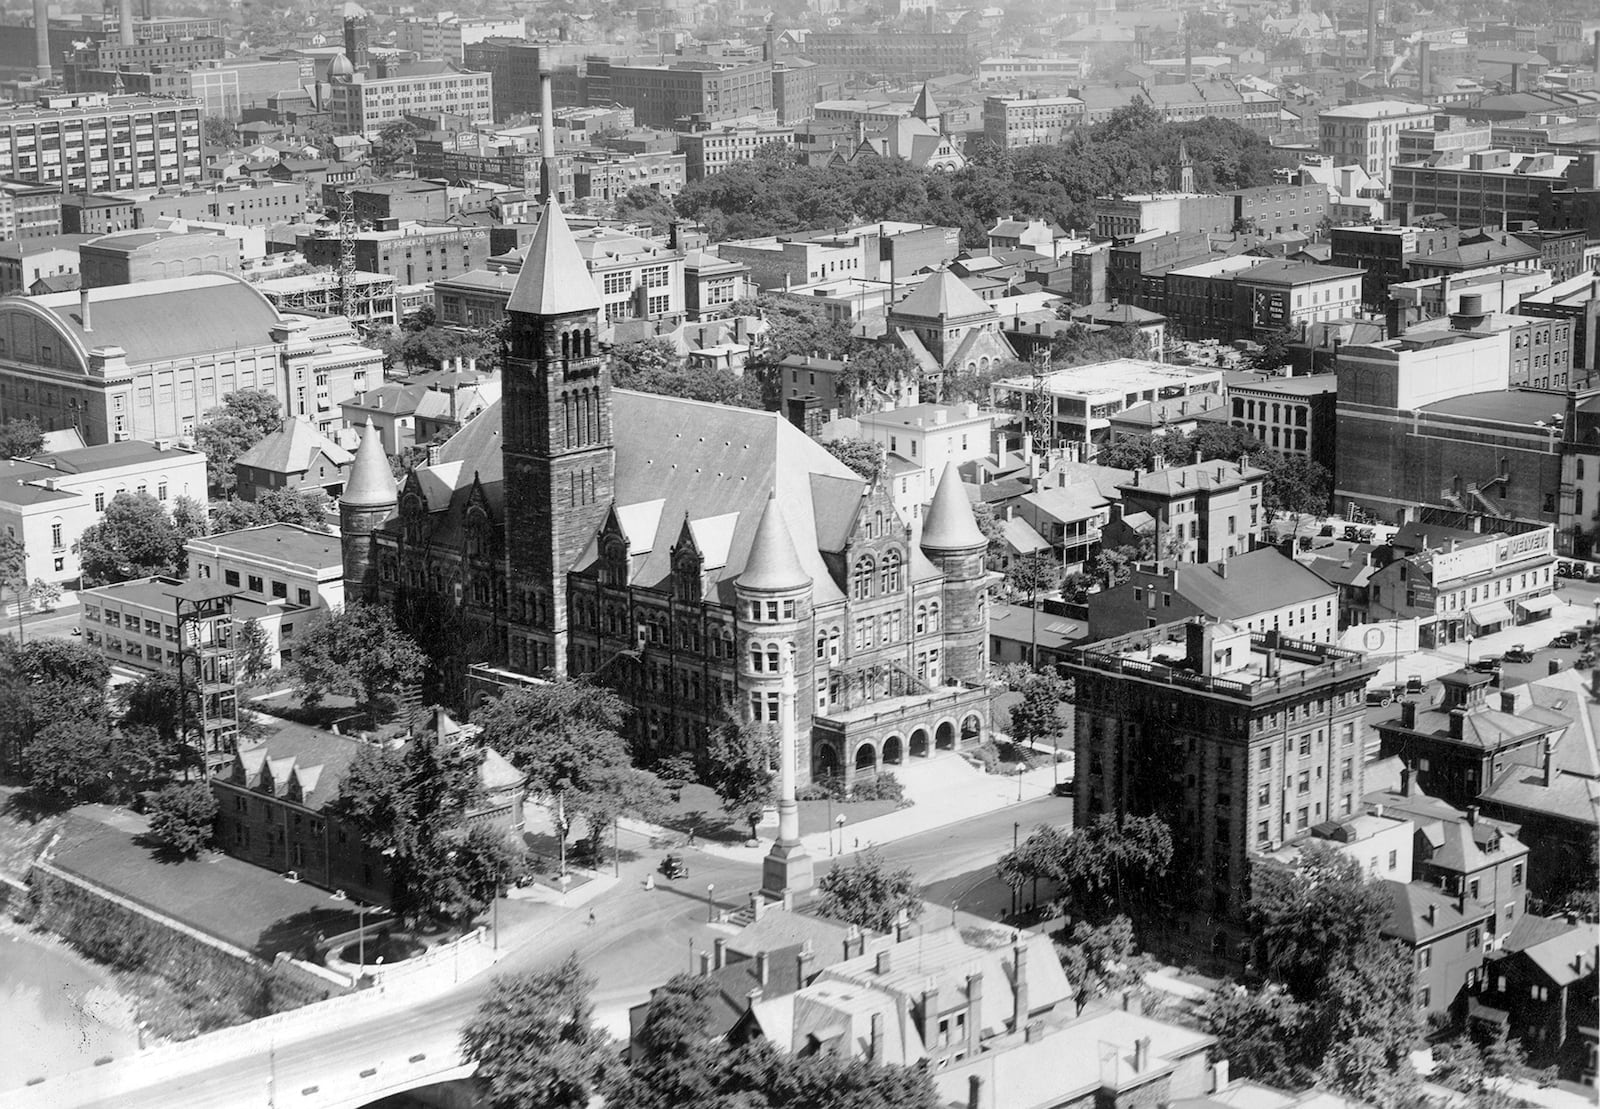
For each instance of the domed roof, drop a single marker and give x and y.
(773, 565)
(949, 524)
(371, 483)
(341, 68)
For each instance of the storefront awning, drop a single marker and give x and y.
(1493, 613)
(1542, 603)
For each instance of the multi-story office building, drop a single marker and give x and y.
(1292, 415)
(24, 262)
(711, 151)
(899, 53)
(241, 204)
(1083, 399)
(1385, 253)
(1280, 209)
(504, 158)
(1012, 121)
(57, 495)
(274, 562)
(227, 88)
(96, 141)
(515, 65)
(609, 175)
(1368, 134)
(363, 105)
(447, 36)
(795, 82)
(147, 361)
(1540, 348)
(637, 278)
(412, 254)
(1117, 217)
(29, 211)
(1240, 294)
(110, 56)
(1486, 187)
(662, 94)
(1242, 741)
(130, 257)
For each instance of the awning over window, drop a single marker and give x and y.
(1542, 603)
(1493, 613)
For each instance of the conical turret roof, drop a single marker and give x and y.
(773, 565)
(371, 483)
(554, 280)
(949, 524)
(926, 107)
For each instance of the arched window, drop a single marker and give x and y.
(588, 342)
(889, 577)
(1579, 475)
(861, 580)
(822, 647)
(933, 616)
(773, 656)
(834, 639)
(566, 345)
(922, 620)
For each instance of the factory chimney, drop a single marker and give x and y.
(547, 136)
(41, 39)
(125, 22)
(1372, 33)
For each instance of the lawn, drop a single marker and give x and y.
(225, 897)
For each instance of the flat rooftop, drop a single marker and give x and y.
(1376, 109)
(1124, 375)
(277, 542)
(1306, 385)
(1510, 406)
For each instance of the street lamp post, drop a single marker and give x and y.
(361, 929)
(838, 822)
(830, 811)
(711, 907)
(1469, 648)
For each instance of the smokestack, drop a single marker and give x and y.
(1422, 67)
(1516, 74)
(547, 134)
(125, 21)
(41, 39)
(1372, 33)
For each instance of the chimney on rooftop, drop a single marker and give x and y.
(875, 1052)
(1141, 1053)
(1405, 776)
(83, 309)
(761, 967)
(802, 964)
(884, 961)
(41, 39)
(720, 947)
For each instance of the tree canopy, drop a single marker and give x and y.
(135, 538)
(226, 432)
(863, 456)
(867, 893)
(1104, 869)
(20, 437)
(534, 1040)
(306, 508)
(357, 652)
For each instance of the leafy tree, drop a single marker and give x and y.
(863, 456)
(1308, 917)
(44, 595)
(1274, 354)
(641, 359)
(306, 508)
(993, 530)
(866, 893)
(1106, 868)
(1478, 1064)
(1262, 1033)
(1081, 345)
(566, 737)
(422, 341)
(245, 417)
(1114, 565)
(183, 817)
(189, 519)
(1028, 577)
(158, 714)
(534, 1040)
(740, 765)
(1103, 960)
(135, 538)
(1295, 485)
(876, 367)
(395, 147)
(645, 205)
(1037, 717)
(1219, 440)
(21, 437)
(356, 652)
(251, 651)
(67, 761)
(794, 327)
(218, 131)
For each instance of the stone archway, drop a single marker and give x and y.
(866, 759)
(825, 763)
(945, 737)
(893, 751)
(919, 743)
(971, 730)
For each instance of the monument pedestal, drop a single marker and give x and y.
(786, 871)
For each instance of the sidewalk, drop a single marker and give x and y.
(945, 790)
(1433, 662)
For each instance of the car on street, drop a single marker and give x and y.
(1488, 664)
(1565, 640)
(1519, 653)
(673, 866)
(1414, 684)
(1385, 695)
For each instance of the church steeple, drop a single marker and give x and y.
(556, 423)
(927, 109)
(1185, 168)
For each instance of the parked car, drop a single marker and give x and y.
(1584, 661)
(673, 866)
(1327, 531)
(1488, 664)
(1565, 639)
(1565, 569)
(1414, 684)
(1519, 653)
(1380, 696)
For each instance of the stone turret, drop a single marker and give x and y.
(952, 541)
(774, 608)
(370, 497)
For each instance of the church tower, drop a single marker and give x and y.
(560, 466)
(1185, 168)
